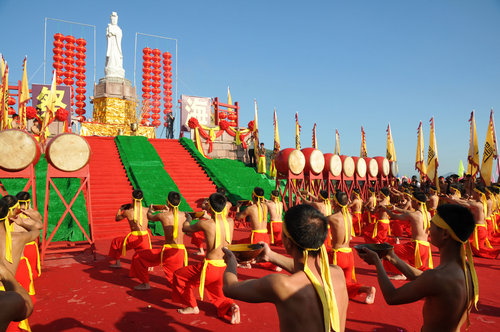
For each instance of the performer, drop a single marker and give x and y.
(275, 208)
(138, 238)
(417, 252)
(432, 200)
(381, 227)
(208, 274)
(173, 255)
(321, 202)
(341, 254)
(369, 212)
(261, 166)
(450, 290)
(251, 150)
(303, 302)
(273, 172)
(479, 238)
(15, 302)
(355, 207)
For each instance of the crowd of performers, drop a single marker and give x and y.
(459, 218)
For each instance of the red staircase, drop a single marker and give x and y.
(187, 174)
(109, 186)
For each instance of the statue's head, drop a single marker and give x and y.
(114, 18)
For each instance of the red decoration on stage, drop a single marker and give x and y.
(31, 112)
(58, 58)
(146, 84)
(80, 76)
(167, 86)
(62, 114)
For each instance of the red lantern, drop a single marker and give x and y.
(147, 50)
(232, 116)
(59, 80)
(12, 111)
(80, 63)
(146, 96)
(147, 64)
(156, 103)
(70, 39)
(57, 58)
(81, 41)
(156, 84)
(156, 64)
(222, 115)
(157, 71)
(81, 56)
(155, 116)
(79, 97)
(69, 81)
(58, 65)
(146, 76)
(81, 49)
(69, 52)
(167, 55)
(146, 83)
(156, 123)
(157, 52)
(167, 99)
(147, 57)
(58, 36)
(80, 76)
(11, 101)
(59, 50)
(146, 115)
(31, 112)
(168, 105)
(81, 84)
(58, 44)
(146, 89)
(146, 70)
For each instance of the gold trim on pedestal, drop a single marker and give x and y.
(105, 129)
(114, 110)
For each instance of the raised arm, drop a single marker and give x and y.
(151, 216)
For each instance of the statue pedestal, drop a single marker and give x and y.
(115, 101)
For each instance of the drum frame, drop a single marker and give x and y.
(294, 185)
(65, 246)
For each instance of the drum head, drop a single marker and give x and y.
(394, 168)
(348, 167)
(296, 162)
(335, 165)
(68, 152)
(317, 161)
(18, 149)
(386, 167)
(373, 168)
(361, 168)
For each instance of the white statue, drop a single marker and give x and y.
(114, 57)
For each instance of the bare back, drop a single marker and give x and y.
(208, 227)
(134, 225)
(356, 205)
(167, 221)
(274, 209)
(418, 231)
(432, 202)
(338, 230)
(252, 212)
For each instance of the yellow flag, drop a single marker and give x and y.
(49, 112)
(4, 97)
(490, 152)
(2, 66)
(297, 132)
(229, 100)
(24, 97)
(363, 153)
(337, 144)
(276, 133)
(432, 157)
(256, 132)
(391, 151)
(419, 160)
(314, 142)
(473, 158)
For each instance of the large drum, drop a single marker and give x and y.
(333, 164)
(290, 159)
(348, 166)
(18, 150)
(360, 164)
(372, 167)
(315, 161)
(394, 168)
(384, 168)
(68, 152)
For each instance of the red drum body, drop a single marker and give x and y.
(360, 164)
(290, 159)
(384, 168)
(372, 167)
(333, 165)
(315, 161)
(18, 150)
(348, 166)
(68, 152)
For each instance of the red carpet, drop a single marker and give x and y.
(109, 185)
(189, 177)
(75, 293)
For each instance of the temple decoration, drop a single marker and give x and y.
(146, 84)
(80, 76)
(156, 90)
(167, 87)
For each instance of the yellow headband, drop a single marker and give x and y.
(324, 198)
(459, 194)
(135, 211)
(465, 250)
(24, 201)
(176, 218)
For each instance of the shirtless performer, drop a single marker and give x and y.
(355, 207)
(138, 238)
(369, 211)
(12, 243)
(479, 238)
(173, 255)
(341, 254)
(208, 273)
(448, 291)
(381, 227)
(300, 298)
(275, 209)
(432, 200)
(417, 252)
(321, 202)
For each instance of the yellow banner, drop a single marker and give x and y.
(391, 150)
(4, 97)
(432, 156)
(297, 132)
(363, 153)
(276, 133)
(337, 142)
(314, 142)
(490, 152)
(473, 157)
(24, 97)
(419, 160)
(256, 132)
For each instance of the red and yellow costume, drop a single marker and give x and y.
(481, 247)
(344, 258)
(171, 257)
(274, 226)
(416, 253)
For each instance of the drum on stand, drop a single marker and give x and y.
(68, 152)
(384, 167)
(360, 164)
(372, 167)
(333, 164)
(18, 150)
(394, 168)
(315, 161)
(348, 166)
(290, 159)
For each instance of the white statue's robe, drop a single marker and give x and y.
(114, 57)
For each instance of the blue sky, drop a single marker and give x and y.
(341, 64)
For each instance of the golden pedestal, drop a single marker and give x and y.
(111, 110)
(106, 129)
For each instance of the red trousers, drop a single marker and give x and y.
(406, 251)
(197, 239)
(345, 260)
(274, 229)
(32, 253)
(133, 242)
(25, 279)
(187, 278)
(380, 233)
(478, 243)
(357, 223)
(173, 259)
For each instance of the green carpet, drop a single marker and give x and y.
(69, 230)
(238, 179)
(146, 172)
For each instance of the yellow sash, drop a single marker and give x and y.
(418, 258)
(476, 237)
(427, 222)
(176, 219)
(214, 262)
(140, 211)
(375, 229)
(174, 246)
(344, 250)
(261, 231)
(136, 233)
(465, 251)
(31, 290)
(328, 206)
(8, 238)
(359, 222)
(38, 265)
(272, 230)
